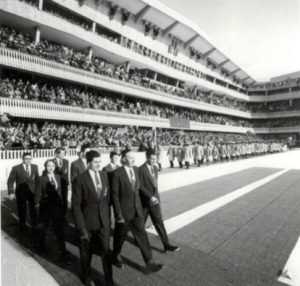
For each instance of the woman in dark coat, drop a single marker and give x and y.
(48, 200)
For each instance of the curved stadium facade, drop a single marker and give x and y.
(131, 63)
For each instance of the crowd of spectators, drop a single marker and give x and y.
(277, 122)
(24, 42)
(19, 87)
(40, 134)
(58, 11)
(273, 106)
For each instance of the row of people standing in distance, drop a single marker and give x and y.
(209, 152)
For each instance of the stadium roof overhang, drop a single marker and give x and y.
(171, 22)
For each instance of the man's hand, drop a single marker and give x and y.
(84, 235)
(12, 197)
(154, 201)
(120, 220)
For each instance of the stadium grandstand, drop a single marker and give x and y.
(127, 75)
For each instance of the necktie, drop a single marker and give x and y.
(152, 171)
(27, 171)
(153, 176)
(132, 179)
(98, 184)
(59, 163)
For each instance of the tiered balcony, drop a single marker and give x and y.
(49, 111)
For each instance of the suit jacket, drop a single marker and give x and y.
(77, 168)
(171, 153)
(45, 192)
(63, 171)
(109, 170)
(90, 211)
(18, 175)
(187, 151)
(148, 185)
(180, 154)
(126, 200)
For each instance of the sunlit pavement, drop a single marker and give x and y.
(246, 225)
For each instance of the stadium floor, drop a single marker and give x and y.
(241, 240)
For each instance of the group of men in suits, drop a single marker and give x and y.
(130, 191)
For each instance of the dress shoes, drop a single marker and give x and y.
(154, 266)
(171, 247)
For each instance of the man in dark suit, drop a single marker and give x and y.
(25, 176)
(112, 166)
(62, 169)
(148, 175)
(91, 211)
(80, 165)
(129, 213)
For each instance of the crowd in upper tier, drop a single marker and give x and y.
(40, 134)
(20, 87)
(13, 39)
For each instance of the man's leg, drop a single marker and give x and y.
(21, 207)
(146, 213)
(85, 258)
(137, 228)
(32, 210)
(121, 230)
(103, 237)
(157, 220)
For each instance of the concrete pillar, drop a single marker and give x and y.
(291, 102)
(90, 52)
(177, 83)
(94, 27)
(155, 76)
(41, 2)
(37, 34)
(266, 92)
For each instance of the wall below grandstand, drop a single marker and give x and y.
(6, 165)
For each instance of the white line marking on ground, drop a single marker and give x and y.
(192, 215)
(291, 272)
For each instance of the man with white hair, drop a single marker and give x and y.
(129, 212)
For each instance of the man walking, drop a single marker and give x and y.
(25, 176)
(148, 175)
(129, 213)
(80, 165)
(91, 211)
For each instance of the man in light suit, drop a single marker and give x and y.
(62, 169)
(180, 155)
(199, 153)
(91, 212)
(171, 155)
(129, 213)
(187, 154)
(148, 175)
(80, 165)
(25, 176)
